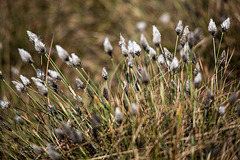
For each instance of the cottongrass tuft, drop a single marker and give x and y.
(76, 136)
(40, 74)
(54, 74)
(156, 36)
(179, 27)
(40, 47)
(136, 49)
(25, 80)
(59, 133)
(152, 53)
(66, 128)
(174, 65)
(32, 36)
(143, 42)
(76, 60)
(144, 76)
(131, 48)
(36, 80)
(185, 53)
(104, 74)
(223, 59)
(225, 25)
(25, 56)
(196, 69)
(4, 104)
(79, 84)
(168, 55)
(19, 119)
(37, 149)
(62, 53)
(19, 86)
(52, 152)
(210, 94)
(184, 37)
(212, 28)
(108, 47)
(42, 89)
(140, 26)
(198, 80)
(124, 51)
(38, 44)
(160, 59)
(122, 42)
(134, 109)
(221, 110)
(118, 116)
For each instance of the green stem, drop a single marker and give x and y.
(176, 46)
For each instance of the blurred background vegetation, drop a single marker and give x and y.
(80, 26)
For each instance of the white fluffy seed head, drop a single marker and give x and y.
(52, 152)
(104, 73)
(122, 41)
(124, 51)
(25, 80)
(185, 53)
(131, 48)
(168, 54)
(143, 42)
(32, 36)
(179, 27)
(39, 46)
(184, 37)
(4, 104)
(118, 116)
(76, 136)
(108, 47)
(225, 25)
(212, 28)
(37, 149)
(42, 89)
(144, 76)
(76, 60)
(54, 74)
(136, 49)
(197, 69)
(156, 36)
(19, 86)
(25, 56)
(62, 53)
(18, 119)
(174, 64)
(36, 80)
(198, 80)
(79, 84)
(221, 110)
(152, 53)
(140, 26)
(134, 109)
(161, 59)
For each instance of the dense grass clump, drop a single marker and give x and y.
(155, 104)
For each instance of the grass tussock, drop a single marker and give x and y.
(157, 103)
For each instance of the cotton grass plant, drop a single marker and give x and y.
(164, 107)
